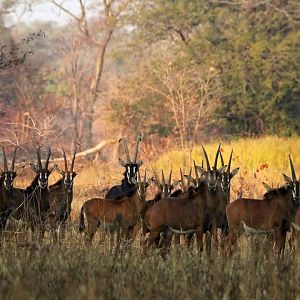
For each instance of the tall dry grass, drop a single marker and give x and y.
(72, 270)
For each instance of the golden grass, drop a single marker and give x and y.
(72, 270)
(260, 160)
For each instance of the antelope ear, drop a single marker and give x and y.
(20, 170)
(1, 172)
(287, 179)
(175, 183)
(190, 179)
(122, 162)
(139, 163)
(58, 169)
(150, 180)
(234, 172)
(201, 170)
(34, 168)
(53, 168)
(267, 187)
(222, 169)
(78, 170)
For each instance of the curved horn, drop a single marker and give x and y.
(48, 157)
(38, 154)
(65, 160)
(294, 178)
(181, 177)
(5, 160)
(14, 159)
(206, 158)
(229, 162)
(222, 160)
(170, 178)
(217, 155)
(73, 159)
(138, 140)
(124, 143)
(145, 177)
(196, 171)
(163, 178)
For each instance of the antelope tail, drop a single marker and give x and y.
(81, 220)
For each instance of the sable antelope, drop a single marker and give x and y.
(32, 204)
(130, 174)
(223, 193)
(212, 176)
(6, 187)
(273, 214)
(114, 215)
(165, 190)
(183, 215)
(61, 194)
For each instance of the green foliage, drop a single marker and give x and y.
(254, 47)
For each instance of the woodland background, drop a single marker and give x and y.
(182, 72)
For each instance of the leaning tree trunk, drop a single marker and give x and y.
(90, 106)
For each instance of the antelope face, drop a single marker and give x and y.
(212, 180)
(296, 191)
(68, 180)
(131, 172)
(43, 178)
(225, 182)
(9, 177)
(225, 178)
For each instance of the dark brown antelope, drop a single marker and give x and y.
(273, 214)
(32, 205)
(223, 192)
(212, 177)
(114, 215)
(183, 215)
(6, 187)
(61, 196)
(130, 174)
(165, 190)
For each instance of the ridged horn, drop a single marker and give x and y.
(222, 160)
(5, 165)
(217, 155)
(138, 141)
(292, 170)
(14, 160)
(47, 159)
(163, 178)
(229, 162)
(65, 160)
(73, 159)
(206, 158)
(38, 154)
(181, 177)
(125, 146)
(170, 178)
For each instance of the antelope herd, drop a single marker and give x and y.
(197, 206)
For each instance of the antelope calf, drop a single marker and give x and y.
(273, 214)
(114, 215)
(61, 196)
